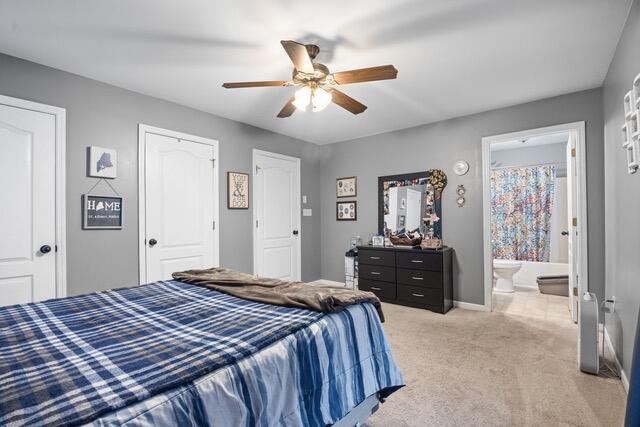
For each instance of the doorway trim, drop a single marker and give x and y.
(254, 202)
(60, 115)
(142, 191)
(577, 129)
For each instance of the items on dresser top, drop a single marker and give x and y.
(412, 277)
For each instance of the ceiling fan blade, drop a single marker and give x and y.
(288, 108)
(384, 72)
(299, 55)
(346, 102)
(255, 84)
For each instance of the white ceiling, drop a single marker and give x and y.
(455, 57)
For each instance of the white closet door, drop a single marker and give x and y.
(180, 195)
(27, 206)
(277, 214)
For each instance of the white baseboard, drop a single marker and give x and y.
(327, 283)
(470, 306)
(623, 375)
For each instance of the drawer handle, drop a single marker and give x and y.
(374, 257)
(373, 288)
(417, 261)
(418, 295)
(375, 272)
(417, 278)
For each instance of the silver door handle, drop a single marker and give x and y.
(375, 289)
(418, 295)
(374, 257)
(375, 272)
(417, 278)
(417, 261)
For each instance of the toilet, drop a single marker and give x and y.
(503, 271)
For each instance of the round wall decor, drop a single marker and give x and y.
(460, 167)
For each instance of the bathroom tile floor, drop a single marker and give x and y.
(530, 303)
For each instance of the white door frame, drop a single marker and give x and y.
(142, 192)
(60, 115)
(577, 129)
(254, 210)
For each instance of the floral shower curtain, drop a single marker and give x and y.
(521, 207)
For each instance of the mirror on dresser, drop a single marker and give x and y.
(409, 202)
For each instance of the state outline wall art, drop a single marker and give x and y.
(102, 162)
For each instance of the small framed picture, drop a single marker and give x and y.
(377, 241)
(346, 211)
(102, 162)
(101, 212)
(237, 190)
(401, 221)
(347, 187)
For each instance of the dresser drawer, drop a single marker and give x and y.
(373, 257)
(377, 272)
(420, 296)
(422, 278)
(427, 260)
(383, 290)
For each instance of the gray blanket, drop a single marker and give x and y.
(278, 292)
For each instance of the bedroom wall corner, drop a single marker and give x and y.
(105, 115)
(437, 146)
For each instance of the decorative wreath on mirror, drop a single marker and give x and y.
(438, 179)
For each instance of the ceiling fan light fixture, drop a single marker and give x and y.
(311, 77)
(320, 98)
(302, 98)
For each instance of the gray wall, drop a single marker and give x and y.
(622, 197)
(437, 146)
(100, 114)
(527, 156)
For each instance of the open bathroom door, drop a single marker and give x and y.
(573, 245)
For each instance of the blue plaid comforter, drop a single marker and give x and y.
(70, 360)
(313, 377)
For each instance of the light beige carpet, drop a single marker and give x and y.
(470, 368)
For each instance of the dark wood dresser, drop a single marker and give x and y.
(413, 277)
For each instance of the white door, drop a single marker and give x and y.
(179, 206)
(413, 210)
(276, 207)
(573, 245)
(27, 205)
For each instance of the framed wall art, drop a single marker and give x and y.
(101, 212)
(237, 190)
(347, 187)
(347, 211)
(102, 162)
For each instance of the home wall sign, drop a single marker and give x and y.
(101, 212)
(237, 190)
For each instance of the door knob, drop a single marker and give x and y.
(565, 233)
(45, 249)
(153, 242)
(295, 232)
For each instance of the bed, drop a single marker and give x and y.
(171, 353)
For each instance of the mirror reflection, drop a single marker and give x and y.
(409, 205)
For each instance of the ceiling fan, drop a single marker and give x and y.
(316, 84)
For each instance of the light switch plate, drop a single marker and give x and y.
(306, 212)
(304, 200)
